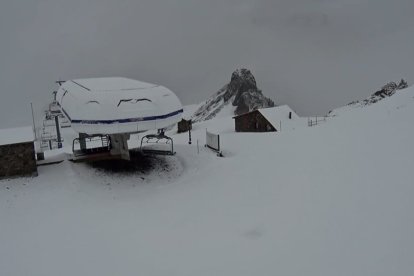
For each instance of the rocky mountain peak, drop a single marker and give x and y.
(242, 80)
(241, 92)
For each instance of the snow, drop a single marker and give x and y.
(16, 135)
(113, 84)
(189, 111)
(333, 199)
(117, 105)
(279, 117)
(275, 114)
(226, 111)
(214, 106)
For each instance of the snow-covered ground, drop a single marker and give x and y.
(333, 199)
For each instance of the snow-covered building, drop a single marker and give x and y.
(17, 152)
(264, 119)
(111, 109)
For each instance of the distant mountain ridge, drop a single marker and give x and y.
(242, 93)
(386, 91)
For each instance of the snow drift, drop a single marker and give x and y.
(333, 199)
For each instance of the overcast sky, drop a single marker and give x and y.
(314, 55)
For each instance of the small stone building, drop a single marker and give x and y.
(264, 120)
(184, 125)
(17, 152)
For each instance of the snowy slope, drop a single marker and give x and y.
(334, 199)
(385, 92)
(189, 110)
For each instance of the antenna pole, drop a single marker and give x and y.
(34, 125)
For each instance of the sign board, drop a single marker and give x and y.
(213, 141)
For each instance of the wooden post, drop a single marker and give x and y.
(59, 138)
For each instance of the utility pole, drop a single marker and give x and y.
(34, 125)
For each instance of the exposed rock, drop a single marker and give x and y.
(402, 85)
(241, 92)
(386, 91)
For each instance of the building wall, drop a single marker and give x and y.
(253, 122)
(17, 160)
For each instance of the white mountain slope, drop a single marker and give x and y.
(386, 91)
(335, 199)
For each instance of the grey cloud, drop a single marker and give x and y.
(313, 55)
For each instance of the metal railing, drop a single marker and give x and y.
(313, 121)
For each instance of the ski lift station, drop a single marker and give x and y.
(106, 111)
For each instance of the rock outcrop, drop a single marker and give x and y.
(242, 93)
(386, 91)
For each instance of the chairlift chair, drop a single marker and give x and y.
(157, 139)
(102, 144)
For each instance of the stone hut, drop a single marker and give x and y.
(184, 125)
(264, 119)
(17, 152)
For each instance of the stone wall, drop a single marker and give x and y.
(17, 160)
(252, 122)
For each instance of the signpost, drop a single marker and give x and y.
(213, 142)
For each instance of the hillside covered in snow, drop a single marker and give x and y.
(332, 199)
(386, 91)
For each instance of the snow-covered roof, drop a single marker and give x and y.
(278, 113)
(117, 105)
(11, 136)
(112, 84)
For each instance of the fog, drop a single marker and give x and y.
(313, 55)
